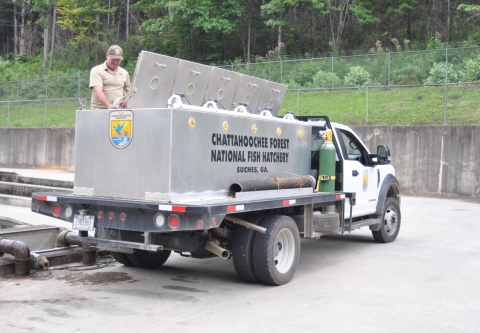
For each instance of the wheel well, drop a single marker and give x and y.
(393, 192)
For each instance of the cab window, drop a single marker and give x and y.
(351, 147)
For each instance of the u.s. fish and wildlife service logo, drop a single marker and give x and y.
(121, 128)
(365, 181)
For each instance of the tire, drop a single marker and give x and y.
(276, 253)
(147, 259)
(243, 251)
(390, 224)
(121, 258)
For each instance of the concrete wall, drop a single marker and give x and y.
(37, 148)
(434, 159)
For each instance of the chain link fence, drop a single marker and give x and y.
(430, 87)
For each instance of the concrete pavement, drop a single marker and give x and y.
(426, 281)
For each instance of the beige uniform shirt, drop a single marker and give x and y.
(113, 85)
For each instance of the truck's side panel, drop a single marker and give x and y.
(123, 173)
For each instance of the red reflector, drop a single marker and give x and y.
(199, 224)
(111, 216)
(100, 214)
(338, 196)
(174, 221)
(56, 210)
(123, 217)
(286, 202)
(214, 221)
(231, 208)
(180, 209)
(42, 197)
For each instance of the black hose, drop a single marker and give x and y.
(272, 183)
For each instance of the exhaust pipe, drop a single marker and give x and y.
(21, 253)
(217, 250)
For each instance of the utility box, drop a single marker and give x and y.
(176, 154)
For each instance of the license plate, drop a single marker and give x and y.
(83, 222)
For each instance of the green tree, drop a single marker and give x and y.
(277, 9)
(188, 27)
(80, 17)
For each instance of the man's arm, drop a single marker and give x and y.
(126, 88)
(126, 100)
(97, 90)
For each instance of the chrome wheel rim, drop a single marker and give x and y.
(390, 220)
(284, 250)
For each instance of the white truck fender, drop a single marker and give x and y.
(390, 183)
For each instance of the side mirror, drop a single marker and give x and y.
(383, 154)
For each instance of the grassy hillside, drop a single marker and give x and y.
(396, 106)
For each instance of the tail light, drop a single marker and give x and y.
(173, 221)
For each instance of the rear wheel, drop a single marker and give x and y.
(147, 259)
(243, 250)
(276, 253)
(390, 223)
(121, 258)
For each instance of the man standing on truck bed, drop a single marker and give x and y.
(109, 81)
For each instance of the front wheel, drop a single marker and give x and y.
(390, 223)
(276, 253)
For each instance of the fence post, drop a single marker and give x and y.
(333, 84)
(298, 99)
(79, 85)
(445, 107)
(17, 93)
(388, 83)
(8, 114)
(366, 105)
(281, 69)
(231, 63)
(46, 96)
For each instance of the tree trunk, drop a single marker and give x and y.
(433, 26)
(279, 36)
(45, 41)
(54, 21)
(447, 31)
(108, 15)
(127, 21)
(15, 30)
(22, 30)
(248, 41)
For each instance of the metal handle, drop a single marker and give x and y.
(252, 84)
(159, 64)
(355, 173)
(195, 72)
(226, 78)
(275, 90)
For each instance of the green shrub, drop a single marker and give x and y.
(357, 76)
(437, 74)
(471, 71)
(323, 79)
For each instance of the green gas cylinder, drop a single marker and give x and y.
(326, 168)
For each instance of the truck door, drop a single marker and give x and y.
(359, 175)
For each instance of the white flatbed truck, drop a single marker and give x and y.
(202, 182)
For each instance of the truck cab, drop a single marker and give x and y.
(370, 176)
